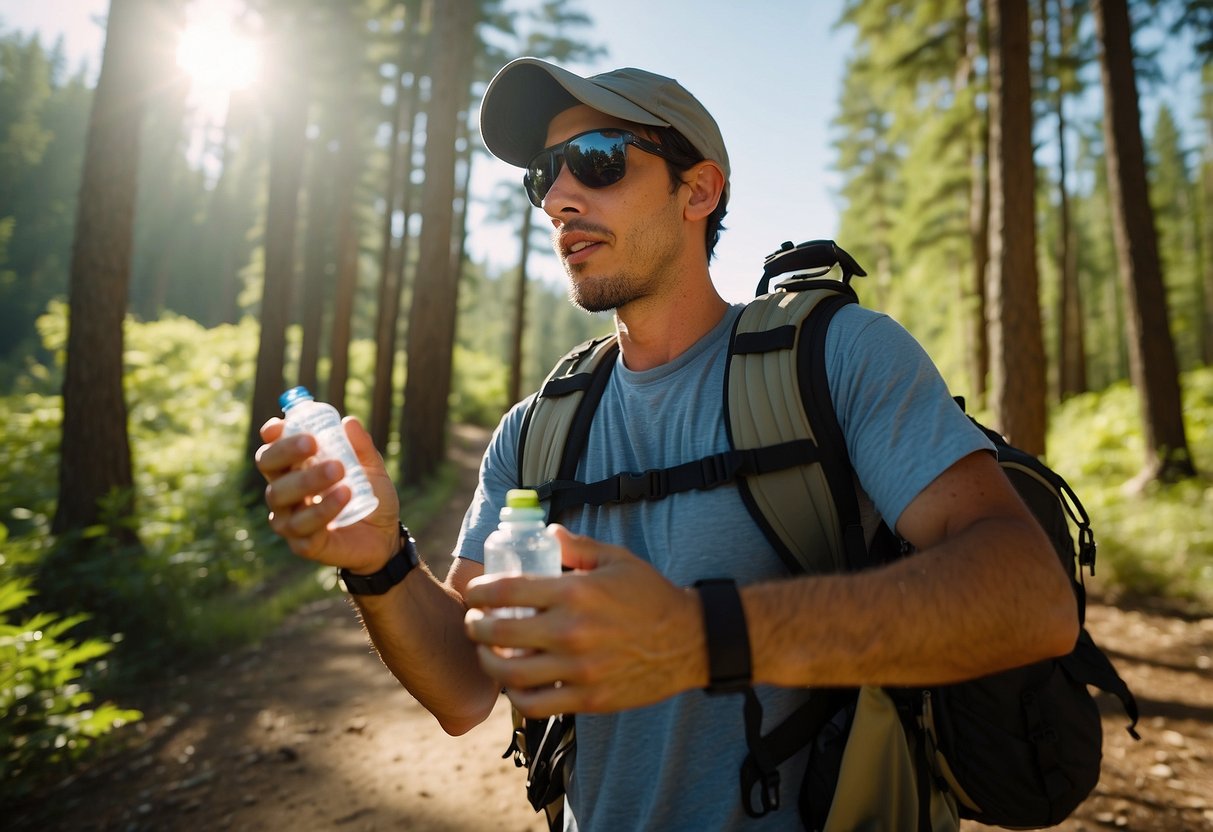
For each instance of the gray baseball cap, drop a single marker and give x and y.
(528, 93)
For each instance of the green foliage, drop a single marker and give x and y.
(478, 388)
(1156, 543)
(43, 117)
(48, 717)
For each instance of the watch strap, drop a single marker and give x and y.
(728, 639)
(392, 573)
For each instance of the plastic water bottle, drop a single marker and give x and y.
(521, 543)
(303, 414)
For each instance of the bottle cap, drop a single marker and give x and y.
(293, 396)
(521, 506)
(522, 498)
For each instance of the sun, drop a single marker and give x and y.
(215, 56)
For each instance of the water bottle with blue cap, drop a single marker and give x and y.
(301, 413)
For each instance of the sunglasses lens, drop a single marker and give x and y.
(597, 159)
(539, 176)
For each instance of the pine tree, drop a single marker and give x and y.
(1152, 363)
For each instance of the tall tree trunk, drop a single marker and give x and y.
(347, 261)
(95, 456)
(220, 229)
(388, 309)
(1071, 341)
(432, 317)
(410, 192)
(1016, 344)
(1152, 364)
(519, 323)
(288, 145)
(973, 295)
(463, 195)
(317, 262)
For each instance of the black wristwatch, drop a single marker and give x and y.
(728, 639)
(392, 573)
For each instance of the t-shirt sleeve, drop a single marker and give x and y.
(498, 474)
(902, 427)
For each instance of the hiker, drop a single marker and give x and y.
(633, 174)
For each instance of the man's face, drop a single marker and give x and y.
(617, 243)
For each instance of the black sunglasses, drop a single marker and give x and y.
(597, 158)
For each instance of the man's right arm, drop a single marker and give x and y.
(417, 626)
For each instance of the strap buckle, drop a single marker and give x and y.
(652, 484)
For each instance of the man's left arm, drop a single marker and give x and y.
(984, 592)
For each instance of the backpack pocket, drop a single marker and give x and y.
(1019, 748)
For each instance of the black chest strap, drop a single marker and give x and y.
(698, 475)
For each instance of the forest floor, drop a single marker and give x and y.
(308, 731)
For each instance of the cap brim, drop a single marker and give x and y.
(528, 93)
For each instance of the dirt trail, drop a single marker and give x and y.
(308, 731)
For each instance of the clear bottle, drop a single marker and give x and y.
(522, 543)
(303, 414)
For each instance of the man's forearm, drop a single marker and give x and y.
(417, 628)
(990, 598)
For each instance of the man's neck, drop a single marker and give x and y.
(657, 329)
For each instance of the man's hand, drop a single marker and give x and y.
(303, 498)
(611, 635)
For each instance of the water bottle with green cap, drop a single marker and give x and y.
(522, 543)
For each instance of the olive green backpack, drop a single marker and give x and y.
(1018, 749)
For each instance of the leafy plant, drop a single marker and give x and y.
(48, 717)
(1158, 542)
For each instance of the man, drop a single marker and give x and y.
(633, 174)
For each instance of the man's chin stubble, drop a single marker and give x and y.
(600, 294)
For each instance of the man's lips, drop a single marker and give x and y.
(576, 248)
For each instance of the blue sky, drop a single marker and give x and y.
(769, 82)
(769, 71)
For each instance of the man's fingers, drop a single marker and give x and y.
(540, 684)
(296, 488)
(272, 429)
(585, 553)
(497, 590)
(277, 457)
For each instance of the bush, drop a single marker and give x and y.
(1158, 542)
(47, 716)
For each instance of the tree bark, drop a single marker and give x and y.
(519, 324)
(1071, 340)
(388, 310)
(347, 260)
(96, 483)
(432, 317)
(1152, 364)
(288, 145)
(1016, 343)
(973, 295)
(316, 277)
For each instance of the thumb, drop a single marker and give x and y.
(364, 446)
(581, 552)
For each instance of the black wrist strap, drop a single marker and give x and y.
(728, 640)
(392, 573)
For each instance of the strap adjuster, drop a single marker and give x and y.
(718, 468)
(652, 485)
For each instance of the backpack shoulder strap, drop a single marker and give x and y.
(776, 391)
(557, 422)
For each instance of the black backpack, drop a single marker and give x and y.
(1020, 748)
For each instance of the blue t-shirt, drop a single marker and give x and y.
(674, 765)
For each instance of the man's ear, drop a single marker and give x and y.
(706, 181)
